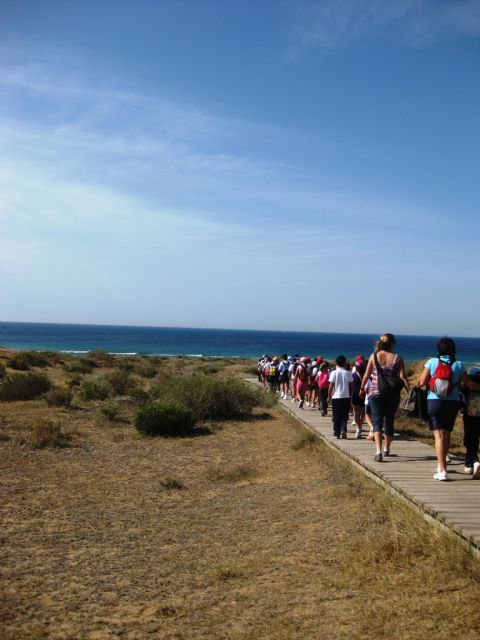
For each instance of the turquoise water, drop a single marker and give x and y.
(76, 338)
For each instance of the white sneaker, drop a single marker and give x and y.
(476, 470)
(468, 470)
(448, 458)
(441, 475)
(358, 434)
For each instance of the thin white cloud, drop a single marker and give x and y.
(340, 23)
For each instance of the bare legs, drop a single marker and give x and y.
(442, 444)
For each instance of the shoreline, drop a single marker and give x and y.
(188, 356)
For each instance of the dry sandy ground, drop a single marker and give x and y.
(262, 540)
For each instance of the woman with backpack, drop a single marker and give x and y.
(443, 375)
(387, 369)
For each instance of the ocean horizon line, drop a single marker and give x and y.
(188, 328)
(79, 339)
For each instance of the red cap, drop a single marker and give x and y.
(360, 357)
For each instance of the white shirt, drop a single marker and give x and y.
(341, 379)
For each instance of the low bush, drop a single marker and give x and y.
(119, 382)
(146, 368)
(3, 371)
(111, 412)
(23, 360)
(139, 396)
(47, 433)
(94, 390)
(126, 365)
(101, 358)
(306, 439)
(59, 397)
(211, 398)
(75, 380)
(79, 365)
(171, 483)
(24, 386)
(164, 419)
(234, 474)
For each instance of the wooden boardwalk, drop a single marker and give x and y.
(408, 472)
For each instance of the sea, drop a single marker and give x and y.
(214, 343)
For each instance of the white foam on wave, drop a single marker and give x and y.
(123, 353)
(72, 351)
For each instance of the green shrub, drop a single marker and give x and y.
(3, 371)
(211, 398)
(24, 386)
(126, 365)
(23, 360)
(110, 412)
(59, 397)
(101, 358)
(139, 396)
(79, 365)
(94, 390)
(146, 369)
(164, 419)
(75, 380)
(119, 382)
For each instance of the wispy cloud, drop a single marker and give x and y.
(340, 23)
(111, 194)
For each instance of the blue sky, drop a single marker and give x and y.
(271, 165)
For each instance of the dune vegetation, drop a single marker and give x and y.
(242, 525)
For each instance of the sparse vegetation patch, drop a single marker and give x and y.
(24, 386)
(59, 397)
(47, 433)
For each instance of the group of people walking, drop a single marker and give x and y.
(370, 389)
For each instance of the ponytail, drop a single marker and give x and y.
(385, 342)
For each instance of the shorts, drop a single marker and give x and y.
(356, 399)
(442, 414)
(383, 411)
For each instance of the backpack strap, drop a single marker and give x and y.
(379, 369)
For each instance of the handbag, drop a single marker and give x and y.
(387, 385)
(410, 401)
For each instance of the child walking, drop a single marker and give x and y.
(339, 393)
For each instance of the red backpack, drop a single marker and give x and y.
(441, 381)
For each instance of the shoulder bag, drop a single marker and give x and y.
(387, 385)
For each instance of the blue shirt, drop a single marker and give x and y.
(457, 370)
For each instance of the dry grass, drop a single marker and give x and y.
(262, 541)
(47, 433)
